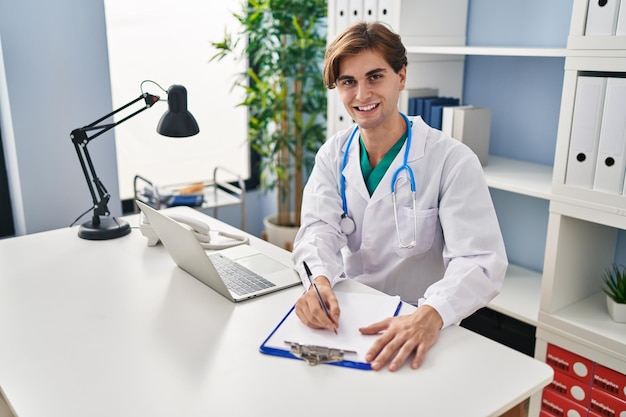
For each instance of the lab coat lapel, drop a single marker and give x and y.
(352, 170)
(416, 151)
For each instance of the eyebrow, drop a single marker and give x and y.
(367, 74)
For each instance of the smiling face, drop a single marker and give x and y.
(369, 88)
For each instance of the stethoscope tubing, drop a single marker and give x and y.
(347, 223)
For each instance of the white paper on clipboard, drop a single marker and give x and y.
(357, 310)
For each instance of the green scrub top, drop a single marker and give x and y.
(372, 176)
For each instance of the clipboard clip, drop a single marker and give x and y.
(314, 355)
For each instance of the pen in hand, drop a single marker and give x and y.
(319, 296)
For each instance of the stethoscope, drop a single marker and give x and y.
(347, 223)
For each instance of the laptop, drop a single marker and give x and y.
(244, 272)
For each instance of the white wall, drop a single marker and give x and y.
(178, 52)
(57, 79)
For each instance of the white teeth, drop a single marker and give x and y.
(370, 107)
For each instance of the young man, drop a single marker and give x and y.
(439, 247)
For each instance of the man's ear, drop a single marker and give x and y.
(402, 74)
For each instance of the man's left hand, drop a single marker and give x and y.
(403, 336)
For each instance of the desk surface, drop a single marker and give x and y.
(114, 328)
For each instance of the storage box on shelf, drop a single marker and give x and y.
(581, 386)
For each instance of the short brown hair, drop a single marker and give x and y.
(362, 36)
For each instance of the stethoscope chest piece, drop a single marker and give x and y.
(347, 224)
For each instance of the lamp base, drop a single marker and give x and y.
(109, 228)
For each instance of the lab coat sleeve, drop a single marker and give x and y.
(474, 253)
(319, 240)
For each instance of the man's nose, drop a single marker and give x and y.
(363, 91)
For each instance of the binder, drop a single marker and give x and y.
(386, 13)
(602, 17)
(370, 10)
(447, 118)
(342, 12)
(342, 117)
(585, 133)
(430, 102)
(621, 21)
(472, 126)
(406, 100)
(420, 106)
(293, 339)
(355, 11)
(611, 161)
(434, 110)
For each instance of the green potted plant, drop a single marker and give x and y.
(614, 280)
(285, 41)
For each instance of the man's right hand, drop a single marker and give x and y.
(310, 311)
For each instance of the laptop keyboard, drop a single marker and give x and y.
(237, 278)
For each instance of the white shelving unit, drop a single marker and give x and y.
(487, 51)
(564, 301)
(583, 226)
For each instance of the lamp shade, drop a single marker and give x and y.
(177, 122)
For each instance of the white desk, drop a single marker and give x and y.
(114, 329)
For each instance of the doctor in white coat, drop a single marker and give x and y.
(438, 245)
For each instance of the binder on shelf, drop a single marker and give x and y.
(370, 10)
(342, 12)
(426, 105)
(602, 17)
(420, 106)
(611, 162)
(621, 21)
(355, 11)
(585, 133)
(342, 117)
(447, 118)
(293, 339)
(386, 13)
(434, 110)
(406, 101)
(472, 126)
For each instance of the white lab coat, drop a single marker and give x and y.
(459, 262)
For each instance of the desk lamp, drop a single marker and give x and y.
(176, 122)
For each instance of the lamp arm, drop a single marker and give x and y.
(80, 135)
(80, 139)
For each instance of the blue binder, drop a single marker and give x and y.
(434, 120)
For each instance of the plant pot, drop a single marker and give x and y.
(617, 311)
(282, 236)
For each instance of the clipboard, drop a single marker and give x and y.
(293, 339)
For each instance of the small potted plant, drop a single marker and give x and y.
(614, 279)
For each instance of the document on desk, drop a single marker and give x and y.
(357, 310)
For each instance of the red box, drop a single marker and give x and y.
(557, 405)
(569, 363)
(571, 388)
(606, 405)
(545, 414)
(609, 381)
